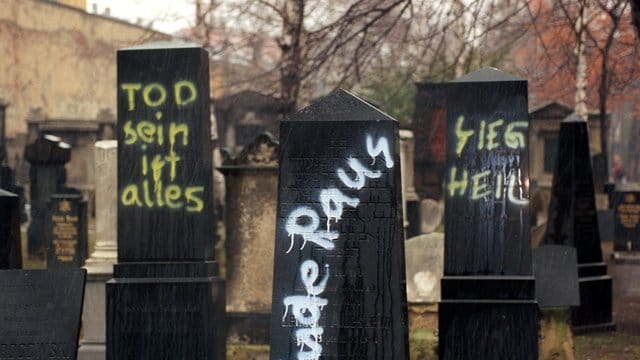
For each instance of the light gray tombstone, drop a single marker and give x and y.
(431, 213)
(409, 194)
(424, 262)
(100, 264)
(251, 186)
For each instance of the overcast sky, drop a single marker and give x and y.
(167, 15)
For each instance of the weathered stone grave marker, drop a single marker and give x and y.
(47, 157)
(339, 287)
(573, 222)
(67, 235)
(40, 312)
(10, 244)
(488, 308)
(100, 264)
(251, 190)
(166, 300)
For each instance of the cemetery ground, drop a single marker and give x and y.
(621, 344)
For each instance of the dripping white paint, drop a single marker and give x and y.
(303, 224)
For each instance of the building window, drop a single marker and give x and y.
(550, 154)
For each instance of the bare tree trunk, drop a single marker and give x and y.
(581, 67)
(292, 45)
(603, 91)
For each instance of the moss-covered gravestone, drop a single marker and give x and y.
(488, 308)
(165, 301)
(339, 274)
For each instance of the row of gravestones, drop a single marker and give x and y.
(339, 273)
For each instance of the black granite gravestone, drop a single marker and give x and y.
(555, 268)
(573, 221)
(625, 201)
(339, 275)
(68, 233)
(40, 312)
(10, 245)
(488, 308)
(165, 301)
(47, 157)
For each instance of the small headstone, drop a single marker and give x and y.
(40, 312)
(425, 255)
(10, 243)
(339, 287)
(626, 206)
(488, 308)
(166, 300)
(68, 233)
(556, 271)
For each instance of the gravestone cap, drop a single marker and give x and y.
(556, 271)
(163, 45)
(48, 150)
(487, 74)
(5, 193)
(261, 152)
(340, 105)
(573, 118)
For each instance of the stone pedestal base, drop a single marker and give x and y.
(92, 344)
(625, 257)
(153, 317)
(595, 311)
(488, 330)
(248, 328)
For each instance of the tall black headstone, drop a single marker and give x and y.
(47, 157)
(67, 235)
(166, 300)
(10, 244)
(339, 275)
(40, 312)
(573, 221)
(488, 308)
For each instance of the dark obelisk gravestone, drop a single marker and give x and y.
(67, 235)
(166, 300)
(10, 245)
(573, 221)
(488, 308)
(47, 157)
(339, 275)
(40, 312)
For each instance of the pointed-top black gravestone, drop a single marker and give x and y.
(166, 300)
(339, 287)
(10, 246)
(573, 221)
(488, 308)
